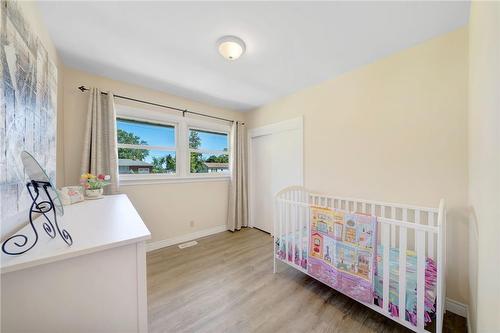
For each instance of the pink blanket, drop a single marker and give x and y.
(342, 251)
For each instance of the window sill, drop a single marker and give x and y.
(128, 180)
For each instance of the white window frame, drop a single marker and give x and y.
(149, 147)
(209, 151)
(182, 151)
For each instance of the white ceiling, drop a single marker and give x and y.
(170, 46)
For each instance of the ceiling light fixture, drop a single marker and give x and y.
(231, 47)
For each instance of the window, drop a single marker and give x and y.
(155, 146)
(208, 152)
(145, 148)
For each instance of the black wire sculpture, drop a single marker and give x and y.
(39, 206)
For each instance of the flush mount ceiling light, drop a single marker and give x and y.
(231, 47)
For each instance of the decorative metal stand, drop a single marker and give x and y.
(43, 207)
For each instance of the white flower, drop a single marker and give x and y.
(107, 177)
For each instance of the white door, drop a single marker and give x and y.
(276, 162)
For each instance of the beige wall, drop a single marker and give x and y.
(167, 209)
(484, 163)
(394, 130)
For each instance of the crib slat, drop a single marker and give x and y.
(275, 218)
(393, 227)
(431, 236)
(402, 273)
(420, 245)
(281, 218)
(385, 279)
(285, 222)
(301, 236)
(441, 282)
(275, 221)
(296, 223)
(294, 226)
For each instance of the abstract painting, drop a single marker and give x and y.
(28, 110)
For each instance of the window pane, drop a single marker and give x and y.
(143, 161)
(209, 163)
(207, 140)
(142, 133)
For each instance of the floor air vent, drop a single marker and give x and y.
(188, 244)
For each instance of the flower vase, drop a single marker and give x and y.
(94, 194)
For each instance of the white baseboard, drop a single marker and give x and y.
(469, 327)
(457, 307)
(185, 238)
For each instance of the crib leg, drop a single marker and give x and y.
(274, 254)
(274, 259)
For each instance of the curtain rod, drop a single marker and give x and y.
(184, 111)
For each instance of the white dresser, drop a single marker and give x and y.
(96, 285)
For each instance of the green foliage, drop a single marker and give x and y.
(218, 159)
(194, 140)
(197, 165)
(129, 153)
(165, 164)
(196, 159)
(170, 162)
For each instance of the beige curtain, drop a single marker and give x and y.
(237, 216)
(100, 155)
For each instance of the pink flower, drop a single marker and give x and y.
(101, 176)
(87, 186)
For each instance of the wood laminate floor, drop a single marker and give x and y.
(226, 284)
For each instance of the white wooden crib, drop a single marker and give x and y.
(400, 226)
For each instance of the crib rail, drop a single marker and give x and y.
(404, 227)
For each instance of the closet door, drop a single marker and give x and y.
(262, 174)
(275, 163)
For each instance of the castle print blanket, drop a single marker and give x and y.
(342, 251)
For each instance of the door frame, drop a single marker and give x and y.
(282, 126)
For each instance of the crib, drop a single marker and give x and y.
(408, 235)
